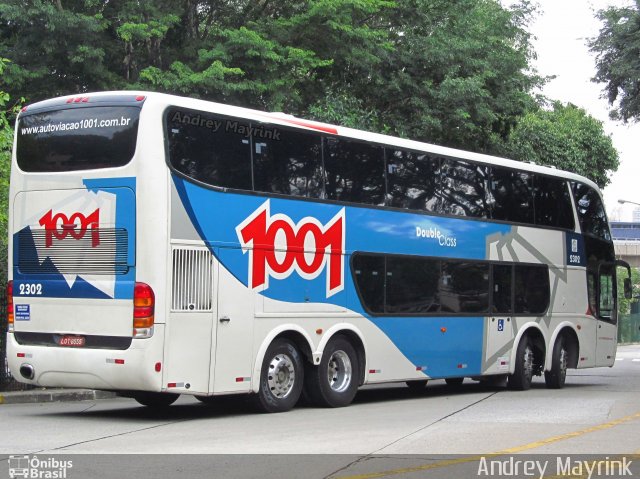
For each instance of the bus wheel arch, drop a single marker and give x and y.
(334, 381)
(528, 358)
(288, 332)
(572, 344)
(564, 355)
(301, 342)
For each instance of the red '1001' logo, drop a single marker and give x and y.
(60, 226)
(277, 246)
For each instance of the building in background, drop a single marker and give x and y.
(626, 240)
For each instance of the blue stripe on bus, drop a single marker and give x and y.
(52, 282)
(456, 352)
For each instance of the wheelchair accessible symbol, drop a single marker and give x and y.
(501, 325)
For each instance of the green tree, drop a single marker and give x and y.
(565, 137)
(446, 72)
(617, 49)
(7, 111)
(457, 74)
(55, 49)
(624, 305)
(452, 73)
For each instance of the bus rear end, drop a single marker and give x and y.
(77, 316)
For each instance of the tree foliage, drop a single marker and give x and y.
(624, 304)
(564, 137)
(617, 49)
(452, 73)
(7, 111)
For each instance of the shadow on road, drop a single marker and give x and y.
(242, 405)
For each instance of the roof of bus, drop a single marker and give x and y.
(301, 123)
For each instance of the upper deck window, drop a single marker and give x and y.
(264, 157)
(591, 211)
(77, 138)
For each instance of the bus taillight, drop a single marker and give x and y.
(144, 301)
(10, 306)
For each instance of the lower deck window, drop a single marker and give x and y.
(408, 285)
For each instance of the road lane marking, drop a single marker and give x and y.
(503, 452)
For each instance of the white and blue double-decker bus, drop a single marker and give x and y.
(162, 245)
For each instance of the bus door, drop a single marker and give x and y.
(190, 334)
(606, 313)
(234, 323)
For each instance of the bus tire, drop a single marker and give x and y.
(281, 377)
(555, 378)
(417, 385)
(454, 382)
(522, 375)
(334, 382)
(156, 400)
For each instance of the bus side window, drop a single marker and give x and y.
(606, 300)
(532, 294)
(412, 180)
(512, 195)
(591, 292)
(463, 189)
(354, 171)
(288, 162)
(502, 292)
(369, 272)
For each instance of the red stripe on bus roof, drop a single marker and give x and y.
(308, 124)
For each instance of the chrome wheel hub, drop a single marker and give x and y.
(281, 376)
(339, 371)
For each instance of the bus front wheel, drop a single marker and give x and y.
(334, 382)
(523, 373)
(281, 378)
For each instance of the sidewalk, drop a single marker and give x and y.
(52, 395)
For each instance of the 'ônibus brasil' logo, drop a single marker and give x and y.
(277, 247)
(60, 226)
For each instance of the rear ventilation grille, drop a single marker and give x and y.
(100, 251)
(192, 279)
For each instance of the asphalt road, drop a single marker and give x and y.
(387, 432)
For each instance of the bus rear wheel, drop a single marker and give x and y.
(334, 382)
(156, 400)
(522, 376)
(281, 378)
(555, 378)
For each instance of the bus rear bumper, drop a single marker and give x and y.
(135, 368)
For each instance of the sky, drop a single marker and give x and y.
(561, 30)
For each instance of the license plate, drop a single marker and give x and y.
(72, 341)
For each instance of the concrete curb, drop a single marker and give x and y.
(53, 395)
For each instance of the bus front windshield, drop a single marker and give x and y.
(77, 138)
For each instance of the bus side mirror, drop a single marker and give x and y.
(628, 290)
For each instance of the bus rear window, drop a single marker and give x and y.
(77, 138)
